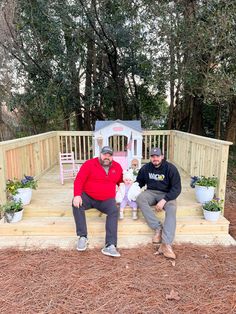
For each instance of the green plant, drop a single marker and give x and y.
(214, 205)
(27, 182)
(206, 181)
(9, 209)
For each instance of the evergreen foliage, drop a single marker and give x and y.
(85, 60)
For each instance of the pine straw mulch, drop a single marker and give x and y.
(230, 205)
(55, 281)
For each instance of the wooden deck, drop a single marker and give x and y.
(48, 221)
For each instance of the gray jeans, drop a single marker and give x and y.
(149, 198)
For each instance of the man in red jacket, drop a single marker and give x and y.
(95, 187)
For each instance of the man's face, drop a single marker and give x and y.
(156, 160)
(106, 159)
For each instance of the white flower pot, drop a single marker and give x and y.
(211, 216)
(15, 217)
(204, 194)
(24, 194)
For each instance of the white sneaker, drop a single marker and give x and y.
(82, 244)
(110, 251)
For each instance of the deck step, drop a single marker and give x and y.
(65, 226)
(69, 242)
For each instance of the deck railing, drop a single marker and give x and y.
(198, 155)
(34, 155)
(79, 142)
(156, 138)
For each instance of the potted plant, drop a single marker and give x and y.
(212, 209)
(12, 211)
(204, 188)
(21, 189)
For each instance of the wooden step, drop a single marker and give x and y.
(69, 242)
(96, 226)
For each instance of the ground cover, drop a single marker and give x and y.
(201, 280)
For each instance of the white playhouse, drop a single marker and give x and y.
(124, 136)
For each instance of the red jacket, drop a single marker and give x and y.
(93, 180)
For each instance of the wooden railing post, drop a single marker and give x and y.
(36, 151)
(171, 148)
(58, 145)
(3, 197)
(222, 175)
(189, 157)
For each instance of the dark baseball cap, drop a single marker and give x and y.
(107, 150)
(155, 151)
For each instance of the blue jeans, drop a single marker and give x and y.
(107, 207)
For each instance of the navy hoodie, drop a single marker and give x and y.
(164, 178)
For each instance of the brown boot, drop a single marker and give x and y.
(167, 250)
(157, 237)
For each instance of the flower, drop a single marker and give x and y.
(27, 182)
(193, 181)
(214, 205)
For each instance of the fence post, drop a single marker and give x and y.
(36, 152)
(3, 196)
(189, 157)
(171, 149)
(222, 175)
(58, 145)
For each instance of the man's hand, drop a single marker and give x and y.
(77, 201)
(160, 205)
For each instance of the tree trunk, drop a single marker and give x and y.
(218, 122)
(79, 119)
(172, 82)
(196, 125)
(88, 82)
(231, 125)
(118, 84)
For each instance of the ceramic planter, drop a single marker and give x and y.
(211, 216)
(14, 217)
(24, 194)
(204, 194)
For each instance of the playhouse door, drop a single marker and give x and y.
(121, 158)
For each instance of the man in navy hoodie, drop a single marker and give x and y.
(163, 187)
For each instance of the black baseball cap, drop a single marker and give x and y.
(155, 151)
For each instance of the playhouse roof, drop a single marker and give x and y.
(133, 124)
